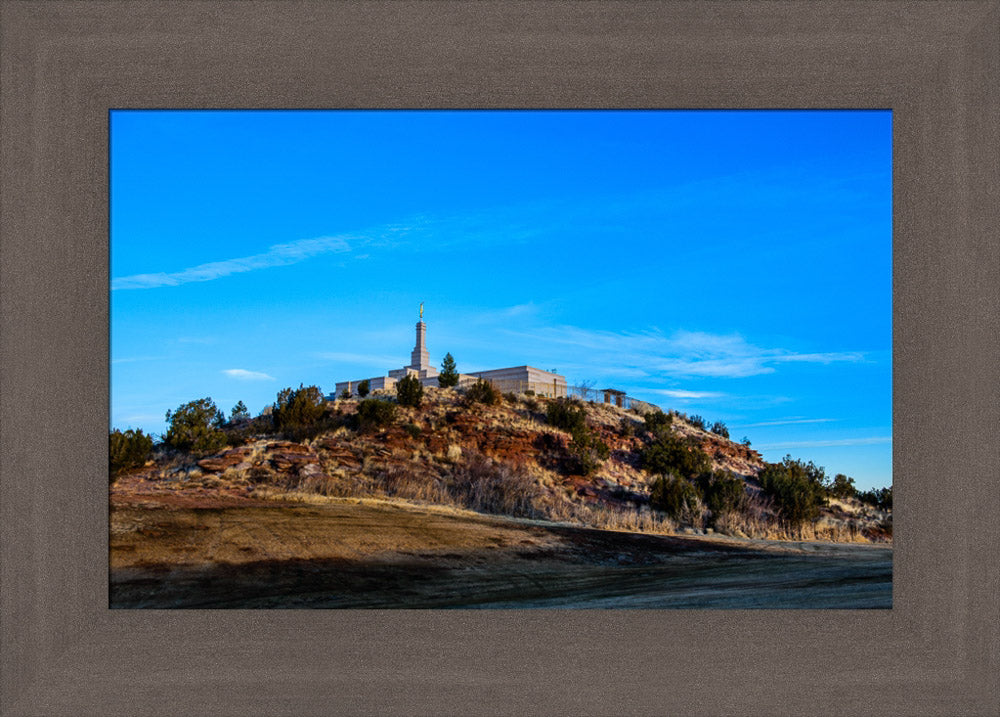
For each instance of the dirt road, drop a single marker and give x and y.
(380, 555)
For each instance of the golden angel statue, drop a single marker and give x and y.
(421, 310)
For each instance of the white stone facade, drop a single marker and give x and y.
(517, 379)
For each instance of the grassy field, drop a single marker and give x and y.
(372, 554)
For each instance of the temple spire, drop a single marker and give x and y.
(420, 359)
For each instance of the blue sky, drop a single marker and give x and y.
(732, 264)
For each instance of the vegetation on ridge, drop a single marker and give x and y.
(514, 454)
(409, 391)
(449, 374)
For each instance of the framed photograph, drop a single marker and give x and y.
(276, 443)
(71, 71)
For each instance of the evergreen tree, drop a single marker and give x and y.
(127, 450)
(240, 412)
(195, 427)
(797, 488)
(364, 388)
(409, 391)
(448, 376)
(719, 429)
(299, 408)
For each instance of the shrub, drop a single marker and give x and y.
(843, 487)
(298, 412)
(658, 422)
(588, 451)
(880, 498)
(127, 450)
(240, 412)
(449, 375)
(482, 391)
(412, 429)
(195, 427)
(409, 391)
(565, 414)
(745, 441)
(364, 388)
(797, 489)
(675, 455)
(529, 392)
(481, 484)
(345, 394)
(697, 422)
(675, 496)
(719, 429)
(374, 413)
(721, 492)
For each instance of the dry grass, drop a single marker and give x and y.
(441, 464)
(625, 519)
(486, 486)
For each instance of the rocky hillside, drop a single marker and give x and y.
(504, 458)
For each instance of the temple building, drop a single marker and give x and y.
(517, 379)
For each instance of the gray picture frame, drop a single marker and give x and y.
(63, 65)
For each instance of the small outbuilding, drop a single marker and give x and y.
(613, 396)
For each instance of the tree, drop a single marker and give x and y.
(409, 391)
(482, 391)
(881, 498)
(374, 413)
(298, 410)
(585, 389)
(674, 496)
(657, 422)
(449, 375)
(798, 488)
(364, 388)
(675, 455)
(843, 487)
(721, 491)
(719, 429)
(588, 451)
(240, 412)
(195, 427)
(127, 450)
(566, 414)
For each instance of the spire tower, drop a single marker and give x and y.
(420, 359)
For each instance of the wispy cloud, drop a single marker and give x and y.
(244, 375)
(683, 394)
(787, 422)
(837, 442)
(683, 354)
(276, 255)
(483, 228)
(133, 359)
(822, 357)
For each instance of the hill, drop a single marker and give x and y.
(574, 462)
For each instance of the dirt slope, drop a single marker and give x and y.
(345, 553)
(419, 456)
